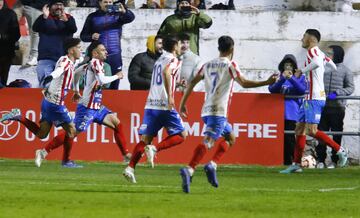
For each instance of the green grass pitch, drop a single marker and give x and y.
(99, 190)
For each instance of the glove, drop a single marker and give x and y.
(332, 96)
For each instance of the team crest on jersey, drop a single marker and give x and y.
(143, 126)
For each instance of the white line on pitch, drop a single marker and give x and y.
(177, 187)
(337, 189)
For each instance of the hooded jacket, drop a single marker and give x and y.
(9, 32)
(292, 86)
(141, 67)
(340, 80)
(189, 23)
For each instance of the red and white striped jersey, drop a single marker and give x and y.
(315, 77)
(94, 79)
(158, 98)
(62, 80)
(218, 76)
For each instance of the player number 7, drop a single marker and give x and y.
(215, 77)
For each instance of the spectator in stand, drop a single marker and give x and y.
(31, 10)
(199, 4)
(339, 82)
(141, 66)
(150, 4)
(191, 64)
(53, 26)
(187, 19)
(87, 3)
(9, 35)
(290, 84)
(105, 25)
(227, 6)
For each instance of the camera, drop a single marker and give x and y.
(112, 8)
(115, 7)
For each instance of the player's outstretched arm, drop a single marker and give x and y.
(252, 84)
(189, 89)
(108, 79)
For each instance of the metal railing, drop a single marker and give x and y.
(327, 132)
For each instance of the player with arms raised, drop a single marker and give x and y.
(219, 76)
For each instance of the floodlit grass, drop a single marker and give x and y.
(99, 190)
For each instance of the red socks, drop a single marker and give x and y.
(55, 142)
(299, 148)
(327, 140)
(30, 125)
(137, 153)
(67, 148)
(120, 139)
(221, 149)
(199, 153)
(169, 142)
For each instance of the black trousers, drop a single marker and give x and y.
(5, 63)
(333, 121)
(289, 142)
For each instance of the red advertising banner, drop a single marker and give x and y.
(257, 121)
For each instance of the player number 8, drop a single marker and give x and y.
(157, 74)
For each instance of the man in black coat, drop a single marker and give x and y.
(9, 35)
(141, 66)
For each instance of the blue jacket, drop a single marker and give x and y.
(109, 26)
(52, 33)
(292, 86)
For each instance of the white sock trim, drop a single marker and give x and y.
(191, 170)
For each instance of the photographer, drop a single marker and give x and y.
(187, 19)
(105, 25)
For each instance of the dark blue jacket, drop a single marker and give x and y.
(292, 86)
(52, 33)
(109, 26)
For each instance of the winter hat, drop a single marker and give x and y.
(52, 2)
(178, 1)
(338, 53)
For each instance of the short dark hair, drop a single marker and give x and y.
(92, 47)
(169, 42)
(225, 43)
(314, 32)
(70, 42)
(184, 37)
(158, 37)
